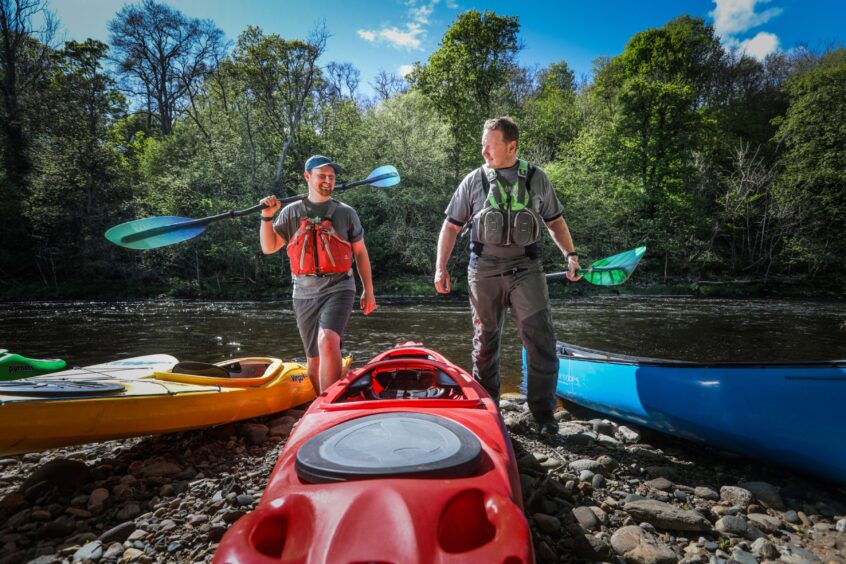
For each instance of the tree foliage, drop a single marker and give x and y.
(724, 166)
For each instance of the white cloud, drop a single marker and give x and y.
(760, 46)
(736, 16)
(421, 14)
(405, 69)
(367, 35)
(412, 35)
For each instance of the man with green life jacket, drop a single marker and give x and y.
(506, 202)
(323, 236)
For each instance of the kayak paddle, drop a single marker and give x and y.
(154, 232)
(609, 271)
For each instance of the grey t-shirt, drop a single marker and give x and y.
(346, 223)
(469, 198)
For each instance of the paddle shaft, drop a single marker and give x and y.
(236, 213)
(583, 271)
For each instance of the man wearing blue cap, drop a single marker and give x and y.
(323, 236)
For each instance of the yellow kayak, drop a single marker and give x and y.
(143, 396)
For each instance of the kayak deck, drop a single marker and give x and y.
(149, 400)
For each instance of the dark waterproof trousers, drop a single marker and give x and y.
(524, 290)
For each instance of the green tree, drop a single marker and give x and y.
(550, 117)
(465, 77)
(73, 194)
(812, 189)
(162, 55)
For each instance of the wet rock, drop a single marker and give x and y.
(765, 549)
(159, 469)
(766, 523)
(255, 433)
(795, 555)
(547, 523)
(639, 546)
(129, 511)
(91, 551)
(586, 475)
(737, 525)
(706, 493)
(666, 516)
(735, 495)
(12, 502)
(113, 552)
(628, 434)
(740, 556)
(60, 527)
(587, 518)
(765, 493)
(598, 481)
(118, 533)
(660, 484)
(96, 500)
(65, 474)
(585, 464)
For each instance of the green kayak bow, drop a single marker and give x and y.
(14, 366)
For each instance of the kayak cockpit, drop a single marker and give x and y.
(241, 372)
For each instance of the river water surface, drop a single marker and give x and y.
(86, 333)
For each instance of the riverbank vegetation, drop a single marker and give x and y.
(731, 170)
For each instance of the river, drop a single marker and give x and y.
(85, 333)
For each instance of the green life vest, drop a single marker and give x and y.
(507, 218)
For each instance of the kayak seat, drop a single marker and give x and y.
(390, 445)
(192, 368)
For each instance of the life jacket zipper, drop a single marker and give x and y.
(303, 251)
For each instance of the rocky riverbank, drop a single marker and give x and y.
(596, 492)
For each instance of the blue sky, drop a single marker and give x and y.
(391, 34)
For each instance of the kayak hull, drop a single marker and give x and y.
(408, 516)
(152, 400)
(787, 413)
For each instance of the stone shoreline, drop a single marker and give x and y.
(597, 492)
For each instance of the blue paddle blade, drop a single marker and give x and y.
(153, 232)
(613, 270)
(384, 177)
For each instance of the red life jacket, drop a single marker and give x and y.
(317, 249)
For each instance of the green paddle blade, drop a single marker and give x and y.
(613, 270)
(153, 232)
(609, 271)
(383, 177)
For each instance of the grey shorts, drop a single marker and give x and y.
(329, 311)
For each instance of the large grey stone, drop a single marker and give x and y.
(641, 547)
(586, 518)
(766, 523)
(665, 516)
(736, 495)
(766, 493)
(763, 548)
(91, 551)
(737, 525)
(586, 464)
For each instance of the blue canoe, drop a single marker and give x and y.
(789, 413)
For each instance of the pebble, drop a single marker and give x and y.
(172, 498)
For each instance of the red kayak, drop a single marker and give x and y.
(404, 460)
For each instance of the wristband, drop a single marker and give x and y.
(573, 254)
(264, 218)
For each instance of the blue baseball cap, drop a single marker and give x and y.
(317, 161)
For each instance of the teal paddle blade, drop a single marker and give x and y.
(613, 270)
(153, 232)
(383, 177)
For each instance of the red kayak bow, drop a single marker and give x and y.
(405, 459)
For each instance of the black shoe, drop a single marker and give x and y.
(547, 425)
